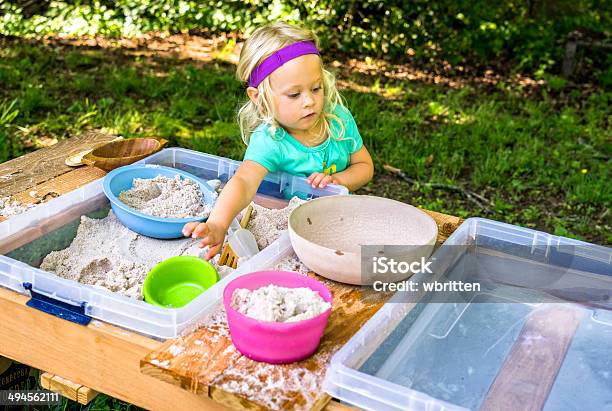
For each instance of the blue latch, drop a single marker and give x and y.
(60, 309)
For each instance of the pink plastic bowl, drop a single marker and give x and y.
(275, 342)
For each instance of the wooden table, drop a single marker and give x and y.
(195, 371)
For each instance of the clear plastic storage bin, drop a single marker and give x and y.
(445, 351)
(53, 225)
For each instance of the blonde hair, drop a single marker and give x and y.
(262, 43)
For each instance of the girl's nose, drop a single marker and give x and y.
(308, 99)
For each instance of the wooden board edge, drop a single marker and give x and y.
(71, 390)
(321, 402)
(154, 371)
(86, 394)
(233, 401)
(45, 380)
(335, 405)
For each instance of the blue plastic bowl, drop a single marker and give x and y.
(121, 179)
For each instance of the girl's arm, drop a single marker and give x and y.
(235, 196)
(358, 173)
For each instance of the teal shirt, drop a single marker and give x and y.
(284, 153)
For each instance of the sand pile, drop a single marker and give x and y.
(166, 197)
(106, 254)
(268, 224)
(279, 304)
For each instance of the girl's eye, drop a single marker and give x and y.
(294, 95)
(316, 89)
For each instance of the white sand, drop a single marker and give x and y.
(291, 263)
(268, 224)
(166, 197)
(106, 254)
(279, 304)
(10, 208)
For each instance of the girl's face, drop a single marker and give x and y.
(298, 93)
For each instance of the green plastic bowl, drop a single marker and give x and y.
(176, 281)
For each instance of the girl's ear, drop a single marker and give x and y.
(253, 94)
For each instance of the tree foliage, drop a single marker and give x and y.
(528, 34)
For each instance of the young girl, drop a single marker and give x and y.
(294, 121)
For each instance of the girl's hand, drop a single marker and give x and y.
(212, 236)
(236, 195)
(320, 180)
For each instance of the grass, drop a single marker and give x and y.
(540, 155)
(542, 160)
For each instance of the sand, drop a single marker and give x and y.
(166, 197)
(106, 254)
(10, 208)
(279, 304)
(268, 224)
(292, 263)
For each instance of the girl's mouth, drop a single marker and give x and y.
(309, 115)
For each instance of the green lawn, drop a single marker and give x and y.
(540, 154)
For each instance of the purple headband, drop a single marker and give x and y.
(280, 57)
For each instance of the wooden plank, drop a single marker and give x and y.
(25, 172)
(61, 385)
(530, 370)
(85, 395)
(45, 380)
(205, 361)
(59, 185)
(234, 402)
(72, 391)
(99, 356)
(337, 406)
(447, 224)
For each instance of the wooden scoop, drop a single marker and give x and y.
(118, 153)
(76, 159)
(228, 256)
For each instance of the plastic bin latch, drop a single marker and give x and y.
(60, 309)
